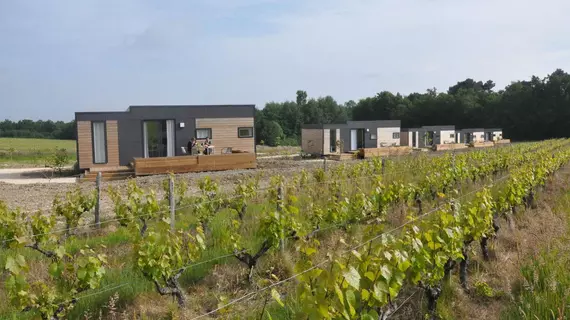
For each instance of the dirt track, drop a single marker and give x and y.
(31, 197)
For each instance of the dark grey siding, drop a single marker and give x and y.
(438, 128)
(374, 124)
(130, 123)
(345, 136)
(238, 111)
(473, 130)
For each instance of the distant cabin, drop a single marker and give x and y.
(350, 136)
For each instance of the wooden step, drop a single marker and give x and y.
(110, 169)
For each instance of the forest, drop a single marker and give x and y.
(536, 109)
(37, 129)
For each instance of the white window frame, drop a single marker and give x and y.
(394, 135)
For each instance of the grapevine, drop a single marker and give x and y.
(163, 255)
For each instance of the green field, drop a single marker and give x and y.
(18, 151)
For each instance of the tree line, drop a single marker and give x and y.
(534, 109)
(38, 129)
(526, 110)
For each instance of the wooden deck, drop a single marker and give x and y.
(449, 146)
(200, 163)
(108, 173)
(385, 151)
(341, 156)
(485, 144)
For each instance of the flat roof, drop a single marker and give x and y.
(354, 124)
(439, 127)
(159, 106)
(188, 106)
(472, 129)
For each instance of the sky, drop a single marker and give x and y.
(58, 57)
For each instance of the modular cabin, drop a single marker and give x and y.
(324, 139)
(154, 139)
(495, 134)
(428, 136)
(473, 135)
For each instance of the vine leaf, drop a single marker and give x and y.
(352, 277)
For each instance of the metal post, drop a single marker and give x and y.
(383, 165)
(325, 163)
(172, 203)
(98, 203)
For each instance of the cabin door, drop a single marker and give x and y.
(356, 139)
(332, 141)
(353, 139)
(158, 138)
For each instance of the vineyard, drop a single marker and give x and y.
(352, 241)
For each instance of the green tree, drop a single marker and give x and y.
(271, 133)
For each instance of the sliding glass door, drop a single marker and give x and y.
(158, 138)
(99, 143)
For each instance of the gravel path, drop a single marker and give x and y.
(31, 197)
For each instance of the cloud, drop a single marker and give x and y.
(501, 40)
(105, 55)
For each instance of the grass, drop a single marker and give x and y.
(278, 151)
(32, 151)
(25, 144)
(527, 276)
(543, 290)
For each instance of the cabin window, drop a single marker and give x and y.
(482, 136)
(245, 132)
(396, 135)
(99, 142)
(203, 133)
(373, 136)
(452, 135)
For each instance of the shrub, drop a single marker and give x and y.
(58, 160)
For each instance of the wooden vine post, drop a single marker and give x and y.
(280, 199)
(98, 201)
(172, 202)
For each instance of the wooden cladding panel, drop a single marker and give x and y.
(112, 143)
(182, 164)
(225, 133)
(85, 145)
(312, 141)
